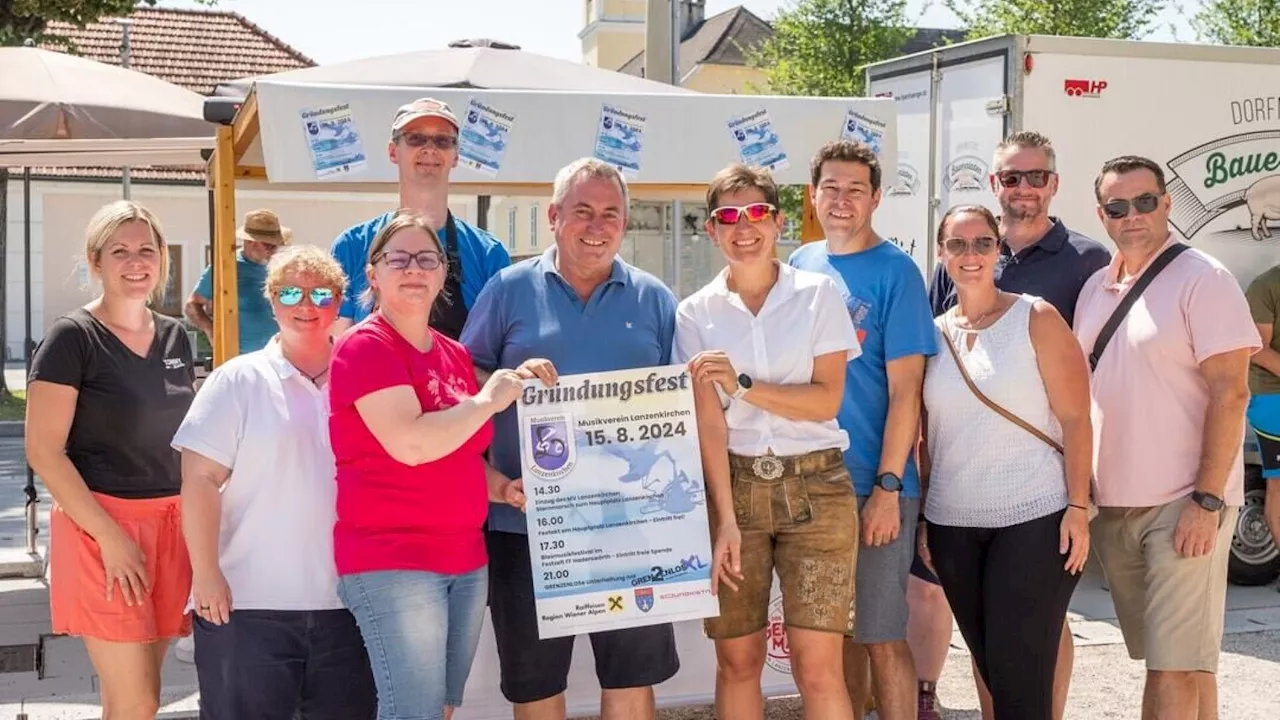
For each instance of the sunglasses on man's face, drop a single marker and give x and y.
(1145, 203)
(291, 295)
(981, 245)
(1035, 178)
(755, 212)
(439, 142)
(401, 259)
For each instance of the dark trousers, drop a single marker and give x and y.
(284, 665)
(1009, 594)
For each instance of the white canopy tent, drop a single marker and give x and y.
(553, 117)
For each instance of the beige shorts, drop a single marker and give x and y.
(1171, 608)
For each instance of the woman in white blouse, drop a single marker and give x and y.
(1009, 441)
(767, 346)
(273, 641)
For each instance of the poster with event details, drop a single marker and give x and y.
(861, 127)
(336, 150)
(620, 138)
(617, 507)
(482, 141)
(758, 142)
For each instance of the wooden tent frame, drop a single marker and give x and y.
(226, 167)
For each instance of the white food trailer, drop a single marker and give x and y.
(1209, 114)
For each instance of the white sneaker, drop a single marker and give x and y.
(185, 649)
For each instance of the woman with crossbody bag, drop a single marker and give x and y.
(1009, 443)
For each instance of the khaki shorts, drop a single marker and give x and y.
(798, 516)
(1171, 608)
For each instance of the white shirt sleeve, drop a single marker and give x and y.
(688, 340)
(214, 424)
(833, 329)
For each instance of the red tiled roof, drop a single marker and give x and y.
(196, 49)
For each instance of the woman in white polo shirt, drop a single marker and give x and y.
(273, 641)
(767, 346)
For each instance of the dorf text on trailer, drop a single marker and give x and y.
(1209, 114)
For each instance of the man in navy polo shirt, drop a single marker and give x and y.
(424, 146)
(583, 309)
(1038, 256)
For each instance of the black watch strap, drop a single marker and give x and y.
(1209, 502)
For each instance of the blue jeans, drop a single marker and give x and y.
(421, 630)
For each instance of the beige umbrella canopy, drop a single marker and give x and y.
(46, 95)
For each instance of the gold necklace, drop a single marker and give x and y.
(973, 324)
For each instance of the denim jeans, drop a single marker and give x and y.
(284, 665)
(421, 630)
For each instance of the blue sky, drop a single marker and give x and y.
(335, 30)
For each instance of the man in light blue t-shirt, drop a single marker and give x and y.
(424, 149)
(260, 236)
(885, 293)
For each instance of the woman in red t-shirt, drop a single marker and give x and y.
(409, 429)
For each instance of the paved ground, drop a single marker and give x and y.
(1106, 683)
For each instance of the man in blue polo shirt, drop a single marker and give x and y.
(885, 296)
(1038, 256)
(424, 146)
(585, 310)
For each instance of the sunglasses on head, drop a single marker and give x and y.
(755, 212)
(401, 259)
(1035, 178)
(1144, 203)
(439, 142)
(984, 245)
(291, 295)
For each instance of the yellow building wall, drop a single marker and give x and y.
(727, 80)
(623, 9)
(614, 49)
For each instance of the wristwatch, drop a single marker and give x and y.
(744, 384)
(888, 481)
(1209, 502)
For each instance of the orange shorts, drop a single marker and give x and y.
(77, 580)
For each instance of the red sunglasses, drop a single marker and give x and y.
(755, 212)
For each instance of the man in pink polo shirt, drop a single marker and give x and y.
(1169, 397)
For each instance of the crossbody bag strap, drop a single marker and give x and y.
(1113, 322)
(991, 403)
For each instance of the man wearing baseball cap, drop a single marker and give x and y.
(424, 146)
(260, 236)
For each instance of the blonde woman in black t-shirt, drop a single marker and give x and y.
(109, 386)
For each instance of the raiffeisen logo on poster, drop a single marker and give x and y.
(1240, 170)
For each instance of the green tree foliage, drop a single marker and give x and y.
(1239, 22)
(1121, 19)
(819, 46)
(21, 20)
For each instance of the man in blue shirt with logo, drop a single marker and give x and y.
(424, 146)
(885, 294)
(260, 236)
(578, 308)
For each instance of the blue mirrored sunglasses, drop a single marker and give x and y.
(291, 295)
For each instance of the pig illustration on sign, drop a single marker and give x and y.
(1263, 200)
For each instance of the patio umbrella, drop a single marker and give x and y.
(46, 95)
(51, 96)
